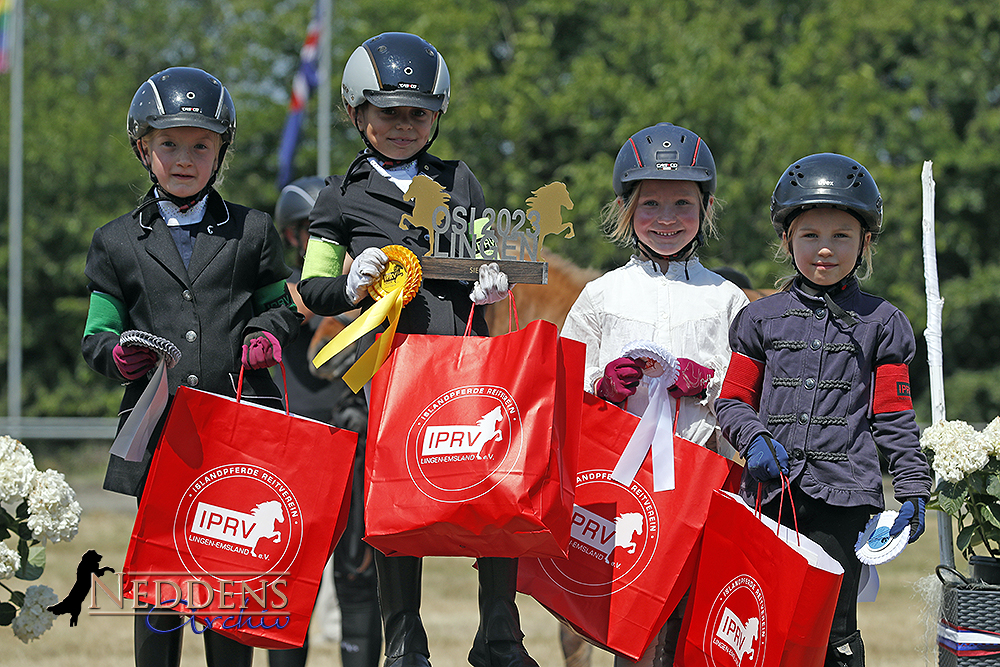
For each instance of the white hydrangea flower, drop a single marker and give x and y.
(17, 469)
(34, 618)
(958, 449)
(53, 512)
(990, 438)
(10, 561)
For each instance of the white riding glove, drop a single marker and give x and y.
(491, 287)
(365, 270)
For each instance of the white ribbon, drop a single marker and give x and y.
(130, 443)
(655, 431)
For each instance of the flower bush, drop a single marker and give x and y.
(46, 510)
(967, 462)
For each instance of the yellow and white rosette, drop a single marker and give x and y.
(395, 288)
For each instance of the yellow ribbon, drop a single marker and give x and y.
(389, 306)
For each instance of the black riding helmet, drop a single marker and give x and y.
(182, 97)
(666, 152)
(826, 179)
(397, 69)
(833, 181)
(296, 201)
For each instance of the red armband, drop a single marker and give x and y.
(744, 380)
(892, 389)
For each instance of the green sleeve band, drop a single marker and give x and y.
(106, 314)
(323, 259)
(274, 295)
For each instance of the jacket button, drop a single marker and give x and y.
(809, 383)
(192, 380)
(804, 418)
(820, 313)
(798, 454)
(191, 336)
(816, 344)
(186, 294)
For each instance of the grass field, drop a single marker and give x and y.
(895, 627)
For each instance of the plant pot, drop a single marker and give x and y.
(985, 569)
(973, 607)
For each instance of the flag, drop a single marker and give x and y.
(305, 81)
(6, 28)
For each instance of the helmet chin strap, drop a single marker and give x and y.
(182, 203)
(825, 291)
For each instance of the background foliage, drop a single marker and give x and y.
(547, 90)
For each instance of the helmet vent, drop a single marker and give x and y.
(666, 144)
(408, 71)
(190, 95)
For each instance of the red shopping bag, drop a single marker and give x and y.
(472, 444)
(763, 596)
(240, 513)
(633, 551)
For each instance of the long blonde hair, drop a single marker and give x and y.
(616, 217)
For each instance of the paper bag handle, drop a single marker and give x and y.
(512, 323)
(786, 487)
(284, 380)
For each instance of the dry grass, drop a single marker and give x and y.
(894, 627)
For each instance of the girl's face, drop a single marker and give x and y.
(825, 243)
(667, 214)
(395, 132)
(182, 158)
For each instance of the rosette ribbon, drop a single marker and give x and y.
(397, 286)
(656, 426)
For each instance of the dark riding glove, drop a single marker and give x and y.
(692, 379)
(766, 458)
(912, 513)
(133, 361)
(621, 377)
(261, 350)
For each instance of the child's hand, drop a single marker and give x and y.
(621, 377)
(766, 458)
(491, 287)
(692, 379)
(133, 361)
(365, 269)
(260, 350)
(912, 514)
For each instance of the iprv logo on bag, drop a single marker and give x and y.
(614, 535)
(244, 515)
(464, 443)
(736, 632)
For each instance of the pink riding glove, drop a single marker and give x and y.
(692, 380)
(621, 377)
(261, 350)
(133, 361)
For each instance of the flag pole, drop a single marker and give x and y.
(323, 115)
(15, 210)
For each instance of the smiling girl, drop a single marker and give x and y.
(818, 385)
(664, 182)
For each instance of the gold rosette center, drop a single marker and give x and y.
(402, 271)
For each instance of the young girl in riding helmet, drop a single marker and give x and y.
(818, 383)
(664, 181)
(395, 89)
(203, 273)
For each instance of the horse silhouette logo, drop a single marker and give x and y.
(458, 439)
(738, 636)
(267, 514)
(545, 211)
(430, 207)
(627, 526)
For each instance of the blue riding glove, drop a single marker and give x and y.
(766, 458)
(912, 513)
